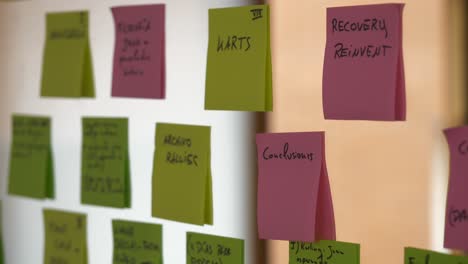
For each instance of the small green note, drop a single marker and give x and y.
(421, 256)
(238, 74)
(182, 174)
(137, 242)
(324, 251)
(105, 166)
(1, 235)
(65, 237)
(67, 68)
(31, 171)
(203, 248)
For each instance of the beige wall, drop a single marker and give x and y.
(381, 173)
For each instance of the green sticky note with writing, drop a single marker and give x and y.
(105, 165)
(136, 242)
(203, 248)
(182, 174)
(65, 237)
(238, 74)
(421, 256)
(324, 251)
(67, 68)
(31, 172)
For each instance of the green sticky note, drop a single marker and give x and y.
(421, 256)
(137, 242)
(105, 166)
(324, 251)
(31, 172)
(67, 68)
(1, 236)
(65, 237)
(182, 174)
(238, 74)
(203, 248)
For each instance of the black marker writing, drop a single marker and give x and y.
(368, 24)
(285, 154)
(233, 43)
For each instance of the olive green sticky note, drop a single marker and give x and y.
(105, 166)
(182, 174)
(238, 74)
(65, 237)
(31, 172)
(421, 256)
(203, 248)
(67, 68)
(324, 251)
(136, 242)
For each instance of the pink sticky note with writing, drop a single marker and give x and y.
(456, 216)
(139, 55)
(294, 200)
(363, 73)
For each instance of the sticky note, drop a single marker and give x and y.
(136, 242)
(31, 171)
(65, 237)
(139, 55)
(238, 73)
(421, 256)
(363, 74)
(293, 200)
(182, 174)
(67, 69)
(324, 251)
(203, 248)
(1, 235)
(456, 214)
(105, 165)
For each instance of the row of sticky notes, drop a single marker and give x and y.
(363, 75)
(134, 242)
(181, 168)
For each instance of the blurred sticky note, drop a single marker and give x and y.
(324, 251)
(31, 167)
(203, 248)
(105, 165)
(67, 68)
(238, 74)
(136, 242)
(182, 174)
(294, 199)
(363, 75)
(65, 237)
(456, 215)
(139, 55)
(421, 256)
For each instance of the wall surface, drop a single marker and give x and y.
(22, 27)
(387, 192)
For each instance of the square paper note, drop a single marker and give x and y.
(139, 55)
(31, 165)
(182, 174)
(238, 74)
(294, 199)
(363, 75)
(65, 237)
(105, 165)
(67, 69)
(420, 256)
(202, 248)
(324, 251)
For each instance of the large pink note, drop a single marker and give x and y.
(139, 56)
(363, 73)
(456, 216)
(294, 199)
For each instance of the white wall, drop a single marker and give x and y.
(22, 28)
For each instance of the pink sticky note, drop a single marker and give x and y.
(456, 216)
(139, 56)
(294, 199)
(363, 74)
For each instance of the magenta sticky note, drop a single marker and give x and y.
(456, 216)
(294, 200)
(139, 55)
(363, 73)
